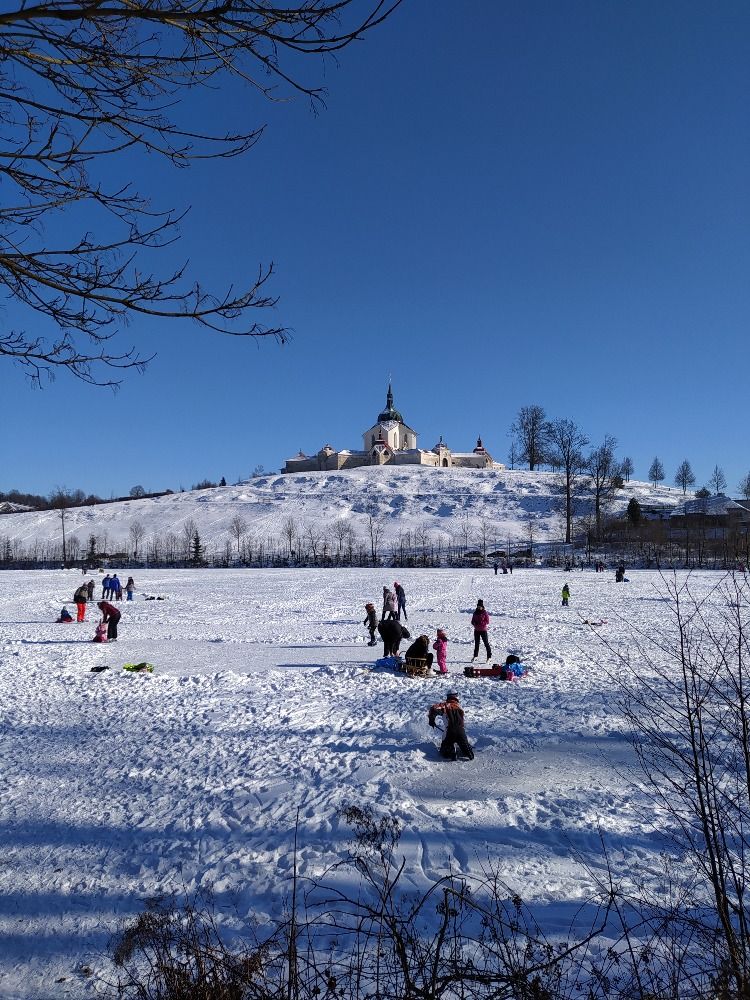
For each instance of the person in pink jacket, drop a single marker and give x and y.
(480, 621)
(440, 645)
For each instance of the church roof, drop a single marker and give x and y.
(389, 413)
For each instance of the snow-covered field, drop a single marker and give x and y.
(263, 702)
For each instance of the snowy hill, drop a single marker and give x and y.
(443, 502)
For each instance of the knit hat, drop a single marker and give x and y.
(441, 634)
(451, 696)
(369, 604)
(480, 604)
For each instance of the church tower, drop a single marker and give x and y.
(389, 434)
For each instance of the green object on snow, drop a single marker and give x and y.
(136, 668)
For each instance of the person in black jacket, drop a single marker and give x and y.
(421, 649)
(371, 621)
(455, 734)
(392, 632)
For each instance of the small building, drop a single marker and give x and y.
(712, 516)
(391, 441)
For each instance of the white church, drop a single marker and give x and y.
(390, 441)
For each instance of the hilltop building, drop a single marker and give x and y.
(391, 441)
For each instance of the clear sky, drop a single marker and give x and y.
(502, 204)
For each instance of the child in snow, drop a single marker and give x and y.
(455, 734)
(565, 595)
(440, 645)
(65, 616)
(129, 588)
(480, 620)
(390, 606)
(513, 667)
(371, 621)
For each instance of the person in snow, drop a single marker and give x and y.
(420, 650)
(455, 734)
(513, 667)
(105, 586)
(392, 632)
(565, 595)
(90, 587)
(440, 645)
(65, 616)
(480, 621)
(129, 588)
(110, 618)
(390, 606)
(115, 588)
(400, 600)
(371, 621)
(80, 597)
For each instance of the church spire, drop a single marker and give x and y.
(390, 412)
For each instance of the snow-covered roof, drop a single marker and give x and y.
(715, 506)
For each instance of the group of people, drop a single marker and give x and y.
(392, 632)
(112, 588)
(394, 603)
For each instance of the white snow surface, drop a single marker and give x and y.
(402, 498)
(265, 703)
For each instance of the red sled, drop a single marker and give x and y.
(494, 671)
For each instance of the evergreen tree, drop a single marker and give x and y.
(633, 512)
(222, 482)
(684, 477)
(196, 556)
(656, 472)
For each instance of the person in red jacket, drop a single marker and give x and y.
(480, 621)
(110, 616)
(455, 734)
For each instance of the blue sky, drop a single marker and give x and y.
(502, 204)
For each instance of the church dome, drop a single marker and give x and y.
(389, 413)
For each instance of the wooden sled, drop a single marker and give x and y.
(416, 666)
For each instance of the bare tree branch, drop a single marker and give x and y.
(81, 82)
